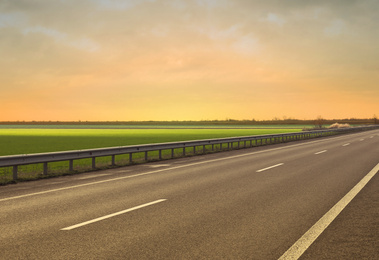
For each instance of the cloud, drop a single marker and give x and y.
(213, 3)
(335, 28)
(232, 39)
(63, 38)
(246, 44)
(119, 4)
(274, 18)
(10, 20)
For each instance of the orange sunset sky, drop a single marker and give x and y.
(188, 59)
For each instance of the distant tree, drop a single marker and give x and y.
(319, 122)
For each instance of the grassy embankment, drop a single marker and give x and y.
(27, 140)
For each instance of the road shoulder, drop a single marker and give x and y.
(354, 233)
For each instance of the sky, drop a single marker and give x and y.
(136, 60)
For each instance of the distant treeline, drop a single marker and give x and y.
(351, 121)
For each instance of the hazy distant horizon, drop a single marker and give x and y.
(231, 121)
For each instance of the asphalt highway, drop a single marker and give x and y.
(252, 203)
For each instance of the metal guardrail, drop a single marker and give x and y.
(248, 141)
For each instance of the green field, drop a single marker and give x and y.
(99, 126)
(24, 140)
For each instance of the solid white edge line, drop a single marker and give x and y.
(167, 169)
(324, 151)
(112, 215)
(346, 144)
(276, 165)
(297, 249)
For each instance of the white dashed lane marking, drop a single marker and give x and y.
(276, 165)
(112, 215)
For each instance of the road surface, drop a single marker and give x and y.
(253, 203)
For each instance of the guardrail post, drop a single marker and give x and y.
(15, 170)
(45, 168)
(71, 165)
(203, 148)
(160, 154)
(130, 158)
(93, 162)
(184, 151)
(194, 150)
(113, 160)
(146, 156)
(172, 153)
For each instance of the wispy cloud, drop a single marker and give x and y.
(11, 20)
(335, 28)
(119, 4)
(231, 39)
(213, 3)
(81, 43)
(275, 19)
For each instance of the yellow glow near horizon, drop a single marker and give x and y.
(187, 60)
